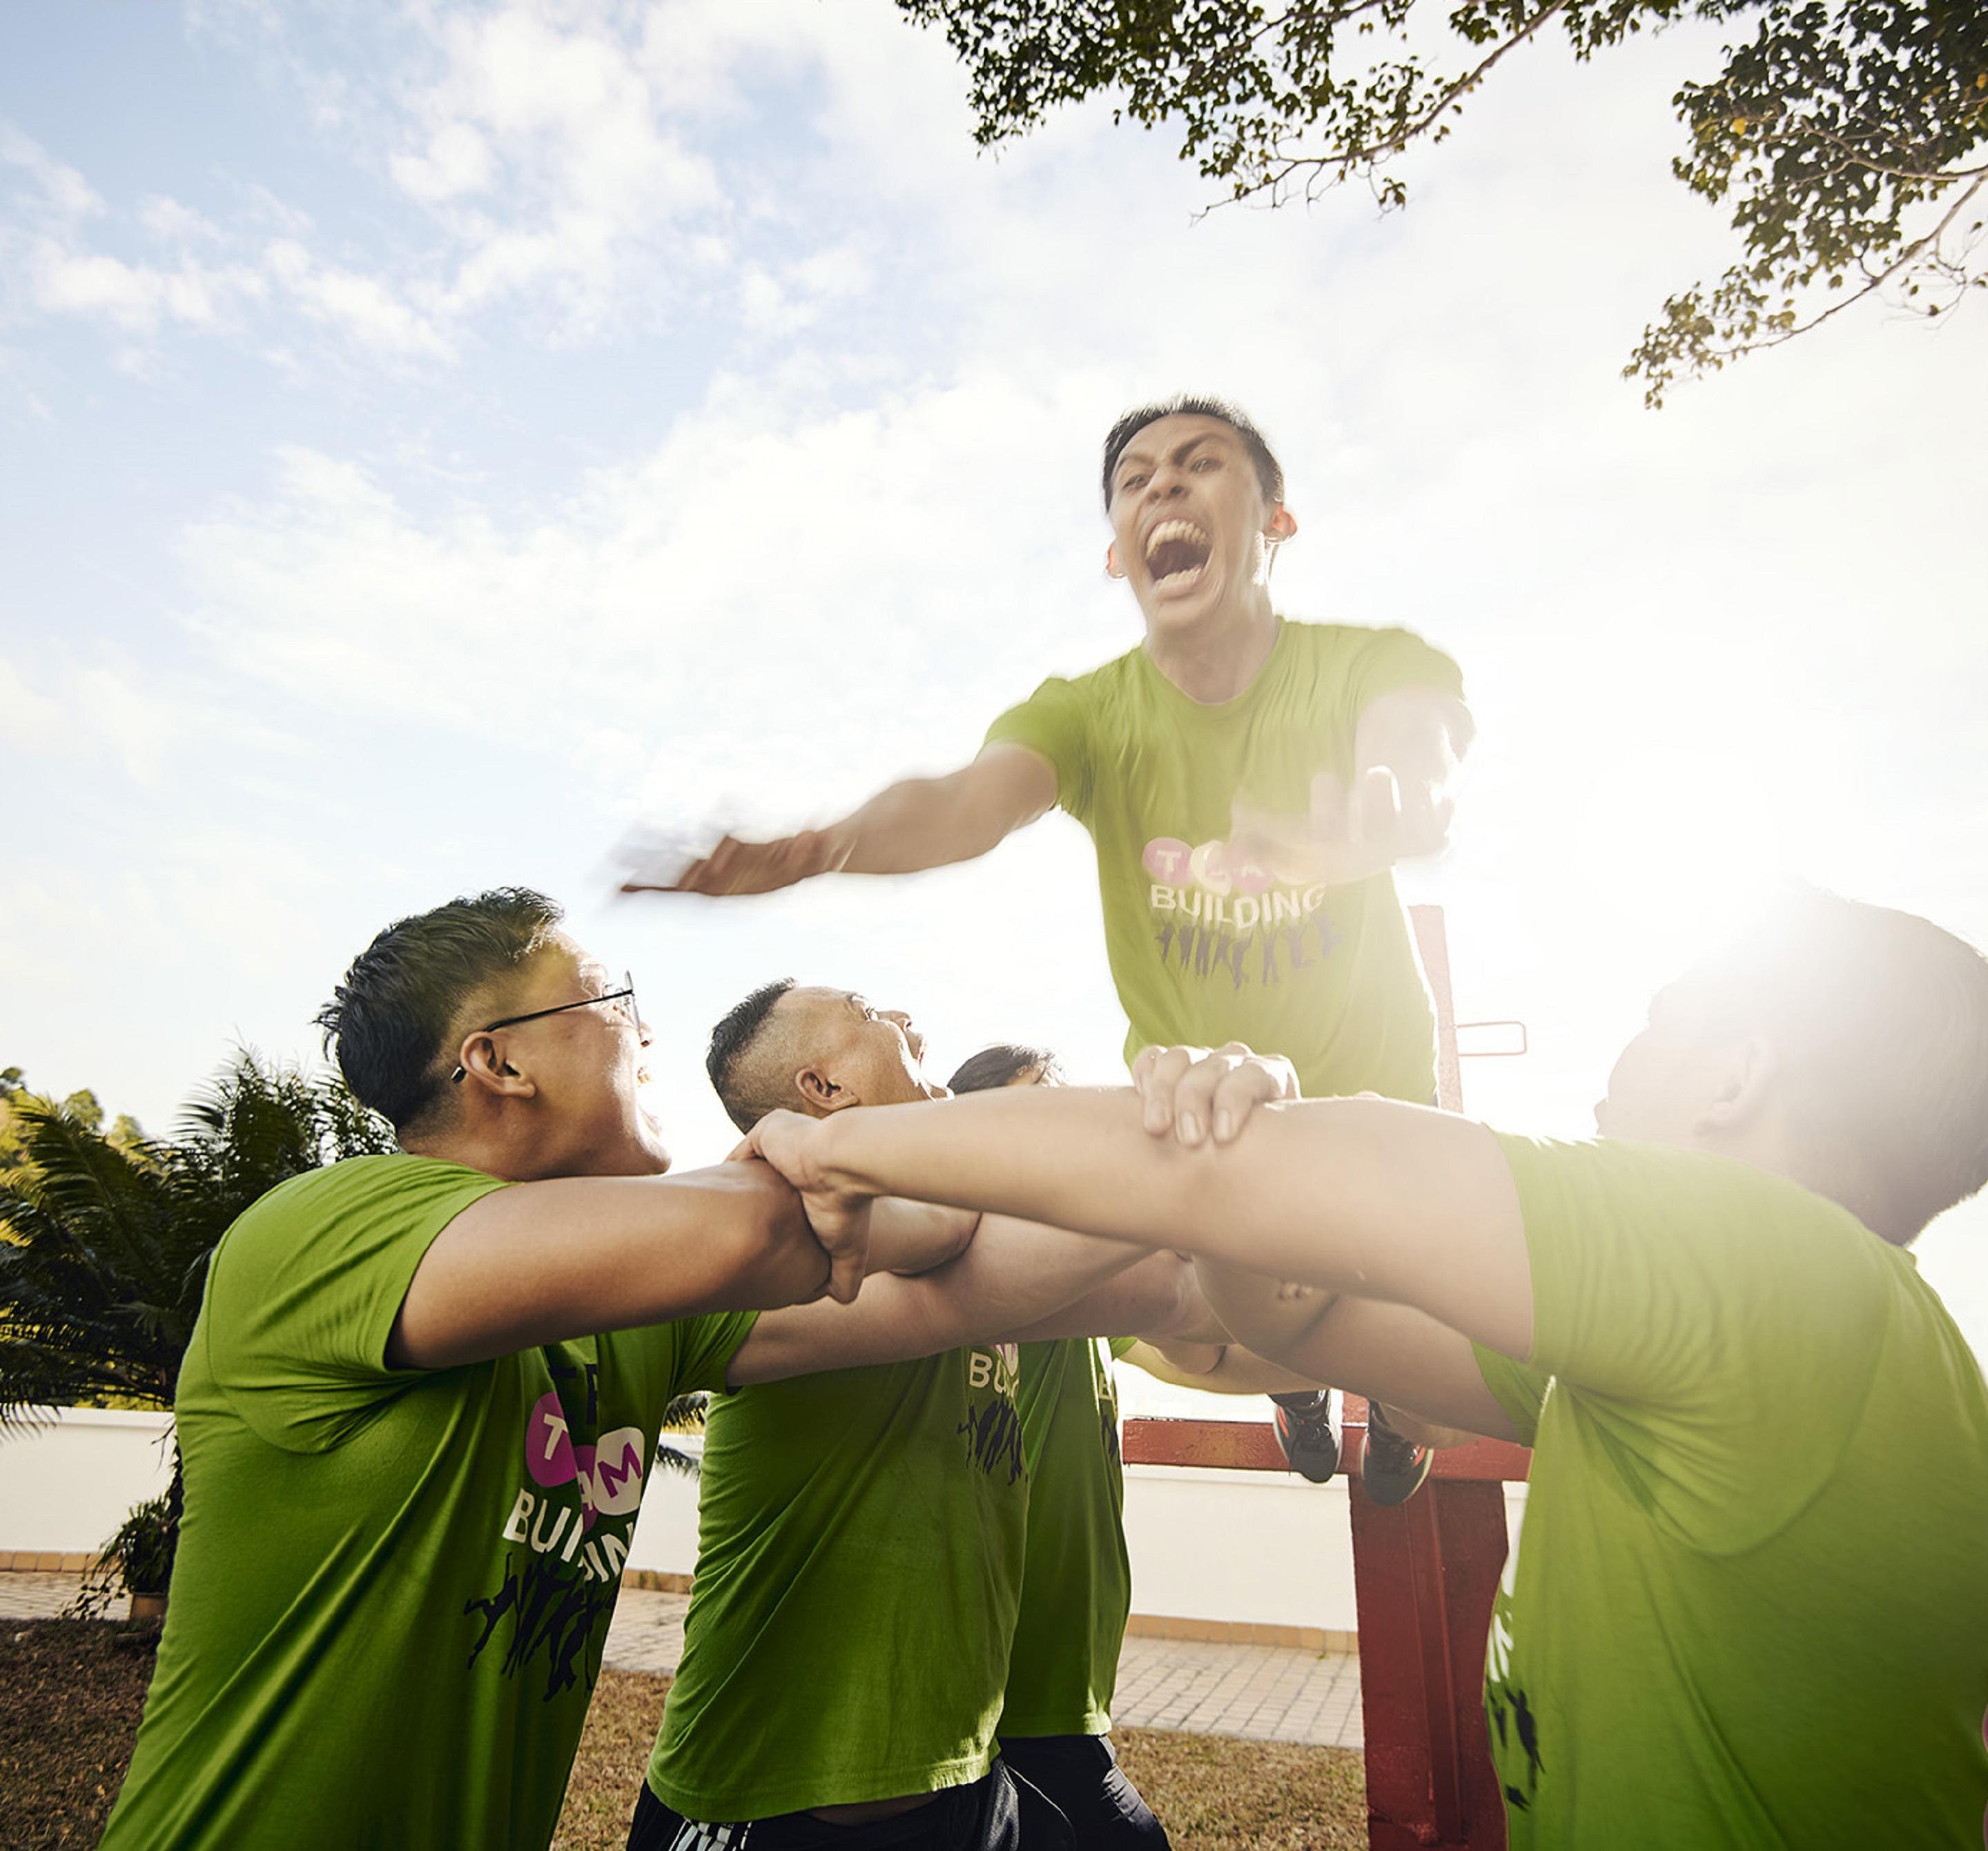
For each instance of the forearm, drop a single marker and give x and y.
(927, 822)
(1012, 1277)
(1391, 1353)
(915, 823)
(911, 1237)
(1365, 1195)
(1153, 1290)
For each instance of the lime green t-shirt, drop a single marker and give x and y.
(1204, 948)
(1749, 1606)
(392, 1586)
(1076, 1578)
(860, 1539)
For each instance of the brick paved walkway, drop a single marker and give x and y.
(1267, 1693)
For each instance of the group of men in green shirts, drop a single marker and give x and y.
(1749, 1608)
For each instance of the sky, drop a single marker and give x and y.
(436, 438)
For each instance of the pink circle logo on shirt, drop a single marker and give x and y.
(548, 1446)
(1166, 858)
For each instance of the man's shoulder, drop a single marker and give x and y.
(334, 1188)
(350, 1203)
(1092, 684)
(1340, 642)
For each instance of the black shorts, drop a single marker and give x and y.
(994, 1813)
(1079, 1774)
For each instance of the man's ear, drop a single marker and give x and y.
(1282, 524)
(1743, 1079)
(820, 1093)
(1112, 568)
(482, 1059)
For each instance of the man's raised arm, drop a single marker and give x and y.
(542, 1262)
(1366, 1196)
(916, 823)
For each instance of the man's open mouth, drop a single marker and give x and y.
(1177, 553)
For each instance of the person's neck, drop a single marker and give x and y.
(1217, 659)
(497, 1154)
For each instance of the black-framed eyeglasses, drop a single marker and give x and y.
(624, 999)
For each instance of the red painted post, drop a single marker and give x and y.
(1424, 1575)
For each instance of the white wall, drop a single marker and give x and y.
(1205, 1544)
(67, 1487)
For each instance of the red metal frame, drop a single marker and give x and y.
(1424, 1575)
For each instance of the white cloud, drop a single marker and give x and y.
(171, 222)
(363, 306)
(138, 296)
(457, 161)
(63, 190)
(548, 116)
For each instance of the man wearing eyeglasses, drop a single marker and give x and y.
(419, 1404)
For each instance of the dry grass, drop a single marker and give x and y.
(71, 1693)
(1212, 1793)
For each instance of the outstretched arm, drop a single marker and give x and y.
(917, 822)
(1368, 1197)
(1003, 1287)
(1393, 1354)
(542, 1262)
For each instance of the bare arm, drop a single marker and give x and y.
(1157, 1291)
(1012, 1277)
(1216, 1369)
(1393, 1354)
(542, 1262)
(925, 822)
(1368, 1197)
(915, 1237)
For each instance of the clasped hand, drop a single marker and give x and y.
(1191, 1093)
(1196, 1092)
(791, 1142)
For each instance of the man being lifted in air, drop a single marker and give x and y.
(1249, 782)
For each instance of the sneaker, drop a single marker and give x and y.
(1392, 1468)
(1306, 1425)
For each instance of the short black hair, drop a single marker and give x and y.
(1002, 1065)
(725, 1061)
(1881, 1020)
(390, 1019)
(1270, 472)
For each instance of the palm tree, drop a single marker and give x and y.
(104, 1239)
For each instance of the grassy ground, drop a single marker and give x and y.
(71, 1692)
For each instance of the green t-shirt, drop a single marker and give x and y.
(1751, 1604)
(860, 1539)
(392, 1586)
(1204, 950)
(1077, 1579)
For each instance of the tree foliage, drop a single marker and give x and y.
(1848, 139)
(105, 1239)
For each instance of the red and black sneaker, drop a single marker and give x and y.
(1392, 1466)
(1306, 1425)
